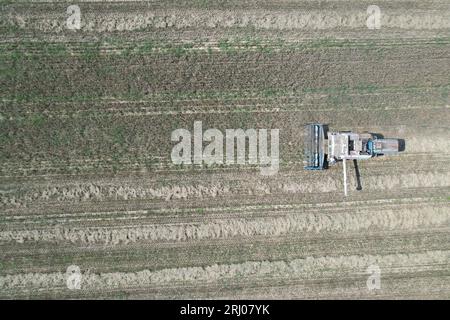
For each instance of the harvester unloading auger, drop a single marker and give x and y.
(324, 148)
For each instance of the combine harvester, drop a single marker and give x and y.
(324, 148)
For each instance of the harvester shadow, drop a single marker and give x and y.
(358, 175)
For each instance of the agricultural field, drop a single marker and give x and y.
(86, 175)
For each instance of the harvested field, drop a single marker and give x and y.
(87, 179)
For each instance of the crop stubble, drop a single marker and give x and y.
(86, 176)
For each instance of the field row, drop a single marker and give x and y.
(271, 272)
(304, 16)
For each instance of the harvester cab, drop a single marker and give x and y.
(324, 147)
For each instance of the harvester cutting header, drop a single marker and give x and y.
(324, 148)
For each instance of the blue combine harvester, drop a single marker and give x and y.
(324, 147)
